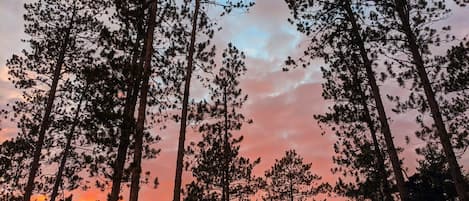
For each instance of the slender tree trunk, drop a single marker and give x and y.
(291, 188)
(395, 162)
(47, 113)
(226, 185)
(379, 154)
(402, 7)
(185, 102)
(137, 169)
(128, 122)
(68, 146)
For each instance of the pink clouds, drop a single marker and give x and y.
(282, 104)
(281, 122)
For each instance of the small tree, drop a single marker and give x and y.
(290, 179)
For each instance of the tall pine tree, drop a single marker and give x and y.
(57, 33)
(335, 24)
(197, 50)
(410, 33)
(220, 172)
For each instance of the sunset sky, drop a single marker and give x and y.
(281, 104)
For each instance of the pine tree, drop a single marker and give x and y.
(456, 87)
(220, 172)
(197, 51)
(185, 101)
(142, 110)
(131, 15)
(57, 32)
(354, 123)
(13, 166)
(76, 146)
(432, 181)
(148, 68)
(291, 179)
(336, 24)
(410, 33)
(126, 129)
(67, 149)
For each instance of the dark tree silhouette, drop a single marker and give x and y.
(57, 31)
(433, 179)
(358, 147)
(142, 110)
(291, 179)
(202, 23)
(337, 23)
(185, 102)
(220, 172)
(410, 33)
(147, 69)
(132, 14)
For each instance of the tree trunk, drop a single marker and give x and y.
(291, 187)
(185, 102)
(379, 154)
(381, 164)
(226, 185)
(128, 121)
(68, 146)
(445, 139)
(395, 162)
(47, 113)
(140, 127)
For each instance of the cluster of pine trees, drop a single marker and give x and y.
(363, 43)
(99, 76)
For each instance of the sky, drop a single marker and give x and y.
(281, 104)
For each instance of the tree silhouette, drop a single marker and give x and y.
(201, 22)
(57, 31)
(410, 33)
(219, 170)
(337, 23)
(132, 14)
(291, 179)
(358, 147)
(432, 181)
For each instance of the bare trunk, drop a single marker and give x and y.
(401, 8)
(47, 113)
(128, 122)
(395, 162)
(68, 146)
(137, 169)
(185, 102)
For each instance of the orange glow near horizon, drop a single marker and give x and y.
(281, 104)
